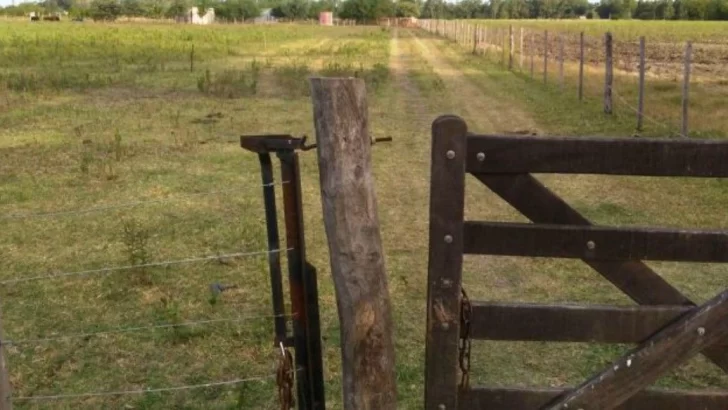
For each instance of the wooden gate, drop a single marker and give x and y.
(668, 328)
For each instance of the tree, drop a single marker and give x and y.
(105, 10)
(132, 8)
(407, 8)
(366, 10)
(177, 8)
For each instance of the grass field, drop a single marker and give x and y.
(94, 115)
(665, 44)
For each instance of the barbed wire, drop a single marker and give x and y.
(123, 205)
(143, 265)
(14, 342)
(645, 116)
(142, 391)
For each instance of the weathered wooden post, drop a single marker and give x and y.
(5, 390)
(545, 56)
(510, 47)
(520, 49)
(561, 60)
(355, 244)
(686, 88)
(608, 75)
(641, 102)
(581, 66)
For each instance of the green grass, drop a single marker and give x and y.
(142, 125)
(665, 48)
(152, 129)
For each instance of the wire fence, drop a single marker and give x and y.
(125, 205)
(670, 83)
(29, 342)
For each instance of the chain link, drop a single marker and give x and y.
(284, 379)
(466, 311)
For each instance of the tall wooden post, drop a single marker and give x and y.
(608, 74)
(533, 51)
(561, 60)
(476, 30)
(355, 244)
(5, 390)
(581, 66)
(520, 49)
(545, 56)
(686, 88)
(510, 47)
(641, 101)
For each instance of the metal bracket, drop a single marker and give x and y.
(284, 142)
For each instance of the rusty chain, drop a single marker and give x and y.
(284, 379)
(464, 344)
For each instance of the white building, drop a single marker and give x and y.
(193, 16)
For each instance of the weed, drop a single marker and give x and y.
(136, 246)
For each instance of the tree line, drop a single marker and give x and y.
(371, 10)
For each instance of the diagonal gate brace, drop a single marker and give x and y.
(662, 352)
(539, 204)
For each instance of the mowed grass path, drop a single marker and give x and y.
(153, 129)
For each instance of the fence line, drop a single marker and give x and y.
(128, 204)
(11, 342)
(144, 391)
(626, 54)
(143, 265)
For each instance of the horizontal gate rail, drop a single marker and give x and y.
(595, 242)
(530, 399)
(496, 154)
(570, 323)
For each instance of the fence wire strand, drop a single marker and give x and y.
(144, 265)
(13, 342)
(124, 205)
(645, 116)
(143, 391)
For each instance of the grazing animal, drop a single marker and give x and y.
(51, 18)
(34, 18)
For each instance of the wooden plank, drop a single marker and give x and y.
(447, 198)
(502, 398)
(595, 242)
(570, 323)
(354, 241)
(661, 353)
(527, 195)
(616, 156)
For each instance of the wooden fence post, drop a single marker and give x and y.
(561, 60)
(510, 47)
(475, 40)
(485, 40)
(686, 88)
(545, 56)
(354, 240)
(5, 390)
(192, 58)
(503, 46)
(641, 101)
(608, 75)
(533, 52)
(581, 66)
(520, 49)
